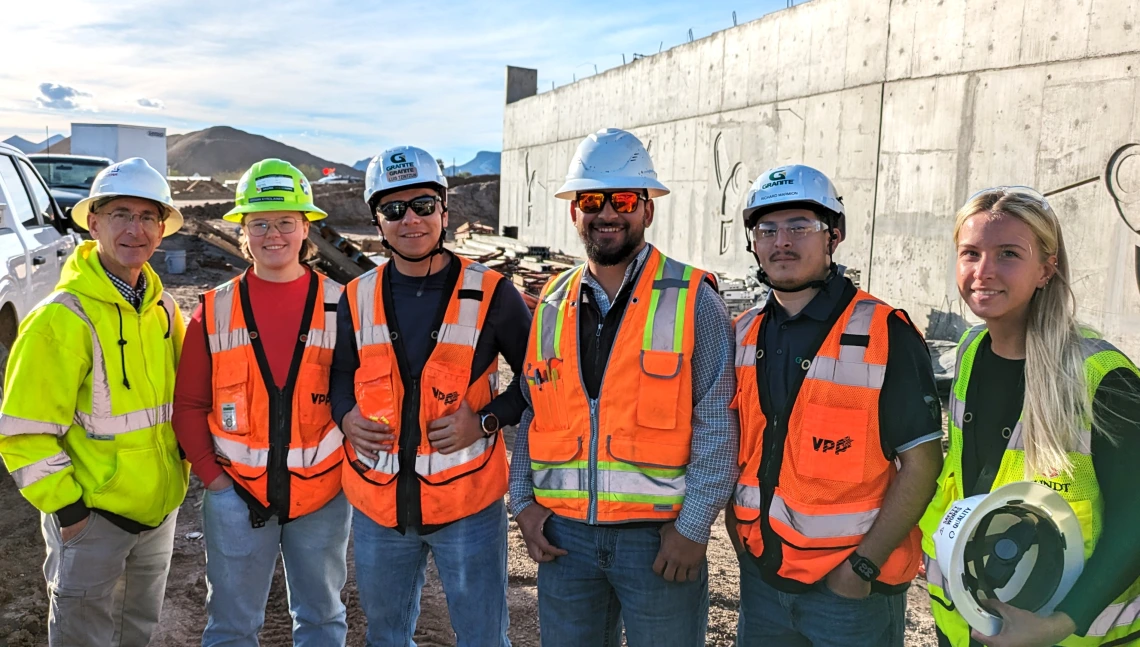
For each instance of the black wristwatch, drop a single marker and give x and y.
(489, 422)
(863, 567)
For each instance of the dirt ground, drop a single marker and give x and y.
(23, 601)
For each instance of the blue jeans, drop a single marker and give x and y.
(471, 556)
(607, 580)
(239, 570)
(818, 618)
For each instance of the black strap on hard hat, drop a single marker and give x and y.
(992, 560)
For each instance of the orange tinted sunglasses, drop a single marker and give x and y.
(594, 201)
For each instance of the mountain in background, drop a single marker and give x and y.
(222, 150)
(485, 163)
(362, 165)
(28, 147)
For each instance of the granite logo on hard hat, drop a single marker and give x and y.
(400, 168)
(274, 183)
(777, 178)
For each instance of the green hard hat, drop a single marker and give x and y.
(273, 185)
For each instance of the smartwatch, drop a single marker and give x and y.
(489, 422)
(863, 567)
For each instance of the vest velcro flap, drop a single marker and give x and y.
(659, 386)
(656, 452)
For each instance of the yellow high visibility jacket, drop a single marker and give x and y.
(89, 395)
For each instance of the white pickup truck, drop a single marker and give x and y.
(35, 240)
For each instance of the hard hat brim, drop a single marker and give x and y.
(571, 187)
(82, 209)
(311, 211)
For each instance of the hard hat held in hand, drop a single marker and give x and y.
(401, 167)
(1020, 544)
(611, 159)
(273, 185)
(130, 178)
(790, 187)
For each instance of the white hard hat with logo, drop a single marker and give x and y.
(790, 187)
(611, 159)
(130, 178)
(1020, 544)
(400, 168)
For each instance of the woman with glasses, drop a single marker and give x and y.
(414, 387)
(251, 412)
(1036, 396)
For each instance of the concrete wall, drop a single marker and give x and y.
(909, 105)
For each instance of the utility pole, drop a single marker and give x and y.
(47, 139)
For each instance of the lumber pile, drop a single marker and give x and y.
(527, 266)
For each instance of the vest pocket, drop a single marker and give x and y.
(231, 398)
(313, 388)
(659, 386)
(649, 452)
(443, 386)
(546, 402)
(374, 395)
(832, 443)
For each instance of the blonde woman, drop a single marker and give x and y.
(1037, 397)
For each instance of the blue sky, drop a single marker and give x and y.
(340, 79)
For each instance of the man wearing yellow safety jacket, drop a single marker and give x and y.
(85, 423)
(1037, 397)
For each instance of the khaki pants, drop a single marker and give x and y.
(105, 585)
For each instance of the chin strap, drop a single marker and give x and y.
(438, 249)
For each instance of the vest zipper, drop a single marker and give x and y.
(592, 509)
(278, 453)
(410, 411)
(773, 438)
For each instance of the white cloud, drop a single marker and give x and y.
(61, 97)
(340, 79)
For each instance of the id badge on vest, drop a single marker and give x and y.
(229, 416)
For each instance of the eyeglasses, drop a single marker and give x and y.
(259, 228)
(1016, 189)
(147, 220)
(422, 206)
(594, 201)
(767, 231)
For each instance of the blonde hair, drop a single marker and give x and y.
(1057, 405)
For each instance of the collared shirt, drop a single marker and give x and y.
(908, 392)
(133, 295)
(712, 471)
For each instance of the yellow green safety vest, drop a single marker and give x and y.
(1119, 623)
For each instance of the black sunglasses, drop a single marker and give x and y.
(422, 206)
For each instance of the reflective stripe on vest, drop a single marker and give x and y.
(664, 331)
(41, 469)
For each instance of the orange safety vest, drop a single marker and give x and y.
(301, 474)
(631, 466)
(452, 486)
(832, 476)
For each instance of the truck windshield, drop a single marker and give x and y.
(72, 174)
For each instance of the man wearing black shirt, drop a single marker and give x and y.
(426, 471)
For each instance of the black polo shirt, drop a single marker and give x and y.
(911, 412)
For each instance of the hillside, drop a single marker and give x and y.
(222, 151)
(485, 163)
(33, 147)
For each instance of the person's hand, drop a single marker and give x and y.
(1021, 628)
(679, 559)
(220, 483)
(458, 431)
(68, 533)
(368, 437)
(531, 521)
(844, 582)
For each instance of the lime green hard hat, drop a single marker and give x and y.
(273, 185)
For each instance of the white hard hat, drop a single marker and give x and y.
(130, 178)
(401, 167)
(789, 187)
(611, 159)
(1021, 544)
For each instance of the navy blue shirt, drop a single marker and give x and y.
(908, 394)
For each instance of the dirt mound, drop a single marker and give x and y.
(200, 190)
(223, 151)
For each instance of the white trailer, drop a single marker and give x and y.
(120, 142)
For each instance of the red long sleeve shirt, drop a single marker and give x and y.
(278, 309)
